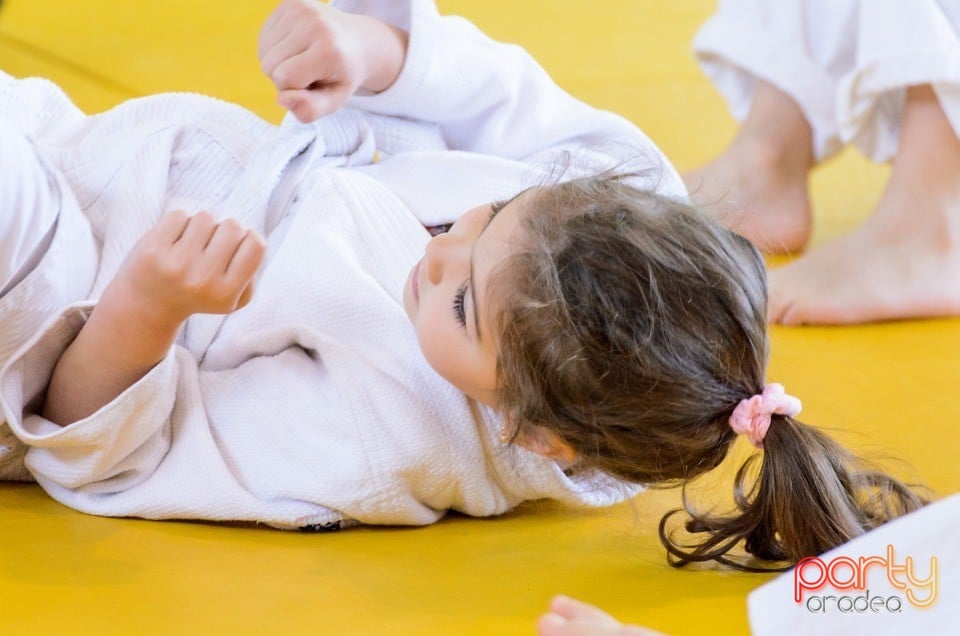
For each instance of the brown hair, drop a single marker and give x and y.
(632, 327)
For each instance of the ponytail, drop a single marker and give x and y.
(810, 496)
(633, 327)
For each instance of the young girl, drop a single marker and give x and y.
(575, 341)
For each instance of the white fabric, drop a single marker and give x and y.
(47, 212)
(847, 63)
(313, 403)
(28, 207)
(929, 533)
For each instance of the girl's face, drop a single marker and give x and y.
(443, 290)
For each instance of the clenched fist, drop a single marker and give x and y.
(184, 265)
(191, 264)
(318, 56)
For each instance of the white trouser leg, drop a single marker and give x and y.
(800, 46)
(847, 63)
(900, 43)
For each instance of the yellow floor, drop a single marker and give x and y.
(886, 388)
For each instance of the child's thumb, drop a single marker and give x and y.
(308, 105)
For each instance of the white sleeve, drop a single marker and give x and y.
(486, 96)
(152, 452)
(111, 450)
(29, 203)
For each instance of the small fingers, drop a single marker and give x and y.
(310, 105)
(223, 245)
(551, 624)
(230, 262)
(276, 54)
(268, 32)
(216, 262)
(571, 608)
(245, 296)
(197, 233)
(570, 617)
(301, 49)
(281, 22)
(170, 227)
(246, 260)
(555, 625)
(635, 630)
(307, 67)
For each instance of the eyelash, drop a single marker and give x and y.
(458, 312)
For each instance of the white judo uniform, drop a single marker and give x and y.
(313, 406)
(847, 63)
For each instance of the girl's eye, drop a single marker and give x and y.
(458, 312)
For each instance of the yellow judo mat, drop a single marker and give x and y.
(884, 389)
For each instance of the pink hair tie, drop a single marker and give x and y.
(752, 416)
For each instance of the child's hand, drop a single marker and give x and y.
(188, 265)
(570, 617)
(318, 56)
(185, 265)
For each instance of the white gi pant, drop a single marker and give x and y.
(847, 63)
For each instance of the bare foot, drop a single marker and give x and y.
(758, 186)
(874, 273)
(904, 262)
(570, 617)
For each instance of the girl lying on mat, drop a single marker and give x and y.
(573, 338)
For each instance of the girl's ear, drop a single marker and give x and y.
(546, 442)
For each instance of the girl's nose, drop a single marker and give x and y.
(437, 256)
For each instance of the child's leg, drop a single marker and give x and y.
(905, 260)
(777, 63)
(758, 186)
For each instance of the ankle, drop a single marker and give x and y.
(776, 131)
(772, 154)
(907, 214)
(929, 146)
